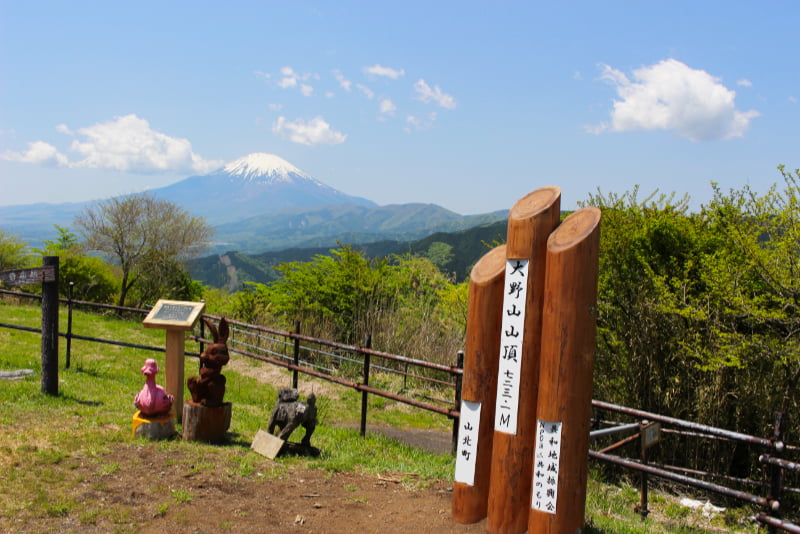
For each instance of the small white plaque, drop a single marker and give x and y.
(467, 453)
(511, 335)
(546, 460)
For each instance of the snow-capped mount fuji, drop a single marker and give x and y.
(268, 168)
(255, 184)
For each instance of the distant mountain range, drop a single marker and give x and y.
(262, 202)
(232, 269)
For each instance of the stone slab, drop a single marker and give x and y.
(267, 445)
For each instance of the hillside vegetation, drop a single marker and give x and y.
(698, 313)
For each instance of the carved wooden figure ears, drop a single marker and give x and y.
(221, 335)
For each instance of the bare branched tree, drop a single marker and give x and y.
(140, 232)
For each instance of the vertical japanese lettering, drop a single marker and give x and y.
(511, 336)
(466, 456)
(546, 461)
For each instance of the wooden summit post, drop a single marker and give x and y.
(530, 222)
(564, 406)
(478, 390)
(176, 317)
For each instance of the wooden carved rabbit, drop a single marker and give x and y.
(209, 388)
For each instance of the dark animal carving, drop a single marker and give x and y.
(209, 388)
(289, 413)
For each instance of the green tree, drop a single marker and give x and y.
(649, 272)
(143, 235)
(93, 279)
(13, 252)
(755, 285)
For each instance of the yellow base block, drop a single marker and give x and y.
(161, 427)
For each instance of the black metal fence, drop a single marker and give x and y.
(423, 382)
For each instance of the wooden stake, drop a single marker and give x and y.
(530, 222)
(565, 377)
(484, 318)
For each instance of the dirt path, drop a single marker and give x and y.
(156, 491)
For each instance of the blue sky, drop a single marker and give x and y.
(469, 105)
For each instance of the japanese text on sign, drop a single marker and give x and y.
(546, 460)
(511, 335)
(466, 456)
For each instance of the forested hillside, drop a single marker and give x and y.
(453, 252)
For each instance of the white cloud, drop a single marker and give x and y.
(435, 94)
(744, 82)
(672, 96)
(369, 93)
(292, 79)
(314, 132)
(420, 123)
(126, 143)
(387, 107)
(129, 144)
(343, 82)
(39, 153)
(388, 72)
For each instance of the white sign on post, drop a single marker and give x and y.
(511, 335)
(546, 460)
(467, 454)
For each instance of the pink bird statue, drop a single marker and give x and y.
(152, 399)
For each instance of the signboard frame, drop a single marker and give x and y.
(651, 435)
(34, 275)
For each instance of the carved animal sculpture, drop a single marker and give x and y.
(153, 399)
(289, 413)
(209, 388)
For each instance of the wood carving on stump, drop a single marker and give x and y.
(206, 417)
(209, 388)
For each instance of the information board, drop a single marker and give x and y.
(174, 314)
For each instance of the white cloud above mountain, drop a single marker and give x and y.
(126, 143)
(670, 95)
(388, 72)
(434, 94)
(312, 132)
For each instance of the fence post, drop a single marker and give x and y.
(296, 358)
(367, 344)
(776, 471)
(50, 329)
(642, 508)
(457, 401)
(69, 324)
(202, 345)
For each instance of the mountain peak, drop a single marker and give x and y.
(261, 167)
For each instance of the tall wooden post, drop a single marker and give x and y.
(479, 386)
(565, 379)
(530, 222)
(177, 318)
(50, 329)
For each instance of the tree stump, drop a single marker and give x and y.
(203, 423)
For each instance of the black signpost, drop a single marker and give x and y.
(47, 275)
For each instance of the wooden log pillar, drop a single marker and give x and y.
(173, 375)
(565, 377)
(479, 386)
(530, 222)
